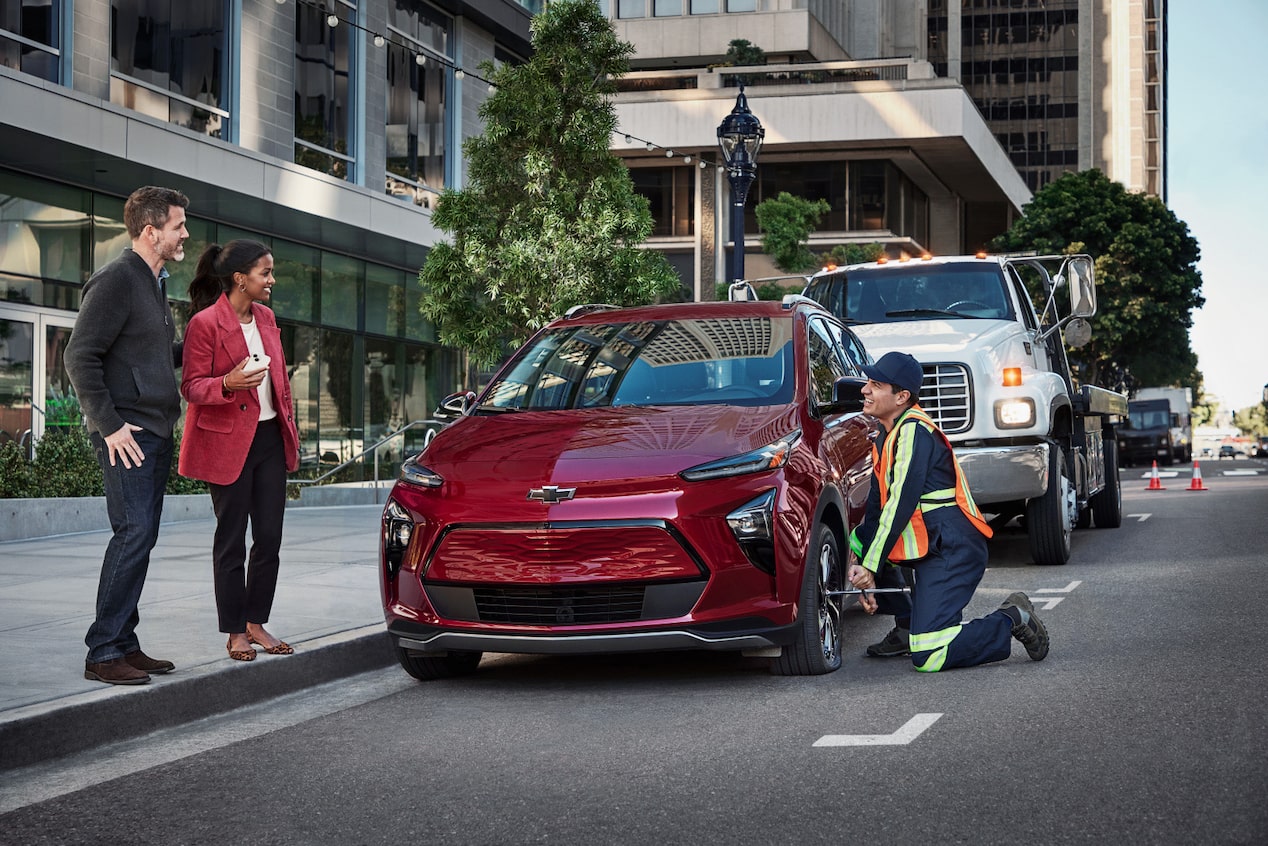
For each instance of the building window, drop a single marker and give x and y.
(671, 194)
(169, 59)
(631, 8)
(705, 7)
(29, 37)
(741, 5)
(666, 8)
(416, 109)
(323, 90)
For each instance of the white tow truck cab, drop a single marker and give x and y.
(997, 378)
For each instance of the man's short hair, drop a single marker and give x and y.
(150, 206)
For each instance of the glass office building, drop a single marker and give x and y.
(324, 129)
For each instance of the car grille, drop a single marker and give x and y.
(946, 396)
(559, 606)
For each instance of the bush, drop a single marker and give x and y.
(65, 465)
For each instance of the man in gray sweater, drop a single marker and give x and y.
(121, 359)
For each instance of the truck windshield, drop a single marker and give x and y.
(921, 292)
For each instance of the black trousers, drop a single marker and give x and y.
(245, 594)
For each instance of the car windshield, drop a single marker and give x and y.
(924, 292)
(743, 361)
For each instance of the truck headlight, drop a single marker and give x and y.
(1015, 413)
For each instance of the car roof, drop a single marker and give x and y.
(778, 309)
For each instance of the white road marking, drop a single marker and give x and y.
(1048, 602)
(1141, 517)
(909, 732)
(1065, 589)
(1162, 474)
(1239, 473)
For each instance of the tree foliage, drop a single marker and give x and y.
(787, 222)
(741, 51)
(846, 254)
(1146, 271)
(549, 217)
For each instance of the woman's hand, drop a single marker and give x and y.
(237, 380)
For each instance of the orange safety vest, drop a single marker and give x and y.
(913, 543)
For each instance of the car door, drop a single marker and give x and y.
(846, 442)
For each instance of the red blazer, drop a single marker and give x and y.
(218, 428)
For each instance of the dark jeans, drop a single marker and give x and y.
(134, 501)
(245, 595)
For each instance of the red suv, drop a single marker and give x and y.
(666, 477)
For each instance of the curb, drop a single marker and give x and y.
(38, 733)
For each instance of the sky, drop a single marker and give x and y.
(1217, 170)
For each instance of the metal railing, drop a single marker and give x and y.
(431, 433)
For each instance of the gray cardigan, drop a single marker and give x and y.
(123, 351)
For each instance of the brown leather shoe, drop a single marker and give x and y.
(146, 664)
(116, 671)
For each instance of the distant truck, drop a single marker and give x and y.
(1159, 427)
(1031, 440)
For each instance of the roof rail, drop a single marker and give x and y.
(741, 291)
(586, 308)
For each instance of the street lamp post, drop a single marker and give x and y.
(740, 137)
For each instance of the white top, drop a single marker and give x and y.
(265, 391)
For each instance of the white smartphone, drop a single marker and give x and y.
(256, 364)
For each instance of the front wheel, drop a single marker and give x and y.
(427, 668)
(1107, 506)
(1050, 518)
(817, 649)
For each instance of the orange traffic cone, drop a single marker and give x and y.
(1196, 484)
(1155, 483)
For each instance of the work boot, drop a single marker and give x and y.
(1027, 627)
(146, 664)
(115, 671)
(894, 645)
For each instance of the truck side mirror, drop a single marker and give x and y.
(847, 394)
(1079, 274)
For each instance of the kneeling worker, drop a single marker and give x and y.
(920, 514)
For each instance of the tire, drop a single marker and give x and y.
(817, 649)
(449, 666)
(1107, 506)
(1050, 518)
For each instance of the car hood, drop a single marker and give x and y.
(935, 340)
(593, 445)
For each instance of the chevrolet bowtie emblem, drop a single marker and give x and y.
(551, 494)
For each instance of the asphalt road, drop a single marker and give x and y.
(1146, 724)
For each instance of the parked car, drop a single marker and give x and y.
(668, 477)
(1227, 451)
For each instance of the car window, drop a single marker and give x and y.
(826, 361)
(733, 361)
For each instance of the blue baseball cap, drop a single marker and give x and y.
(897, 369)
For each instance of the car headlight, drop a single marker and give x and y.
(398, 528)
(1017, 413)
(753, 525)
(416, 474)
(770, 457)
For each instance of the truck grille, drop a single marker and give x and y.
(946, 396)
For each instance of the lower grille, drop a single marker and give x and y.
(559, 606)
(946, 396)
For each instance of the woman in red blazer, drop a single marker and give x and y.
(240, 433)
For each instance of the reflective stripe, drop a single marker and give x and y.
(856, 545)
(936, 644)
(925, 641)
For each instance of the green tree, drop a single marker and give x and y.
(1251, 420)
(787, 222)
(843, 255)
(741, 51)
(549, 217)
(1147, 278)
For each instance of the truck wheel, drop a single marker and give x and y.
(1050, 518)
(425, 668)
(817, 649)
(1107, 506)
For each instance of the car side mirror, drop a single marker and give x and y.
(454, 405)
(847, 394)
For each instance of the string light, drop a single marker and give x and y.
(630, 138)
(378, 41)
(332, 21)
(420, 60)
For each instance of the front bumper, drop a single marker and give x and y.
(739, 635)
(1005, 473)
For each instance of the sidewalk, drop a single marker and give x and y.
(327, 607)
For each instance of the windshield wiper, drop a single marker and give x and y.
(926, 312)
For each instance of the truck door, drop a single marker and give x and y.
(1025, 308)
